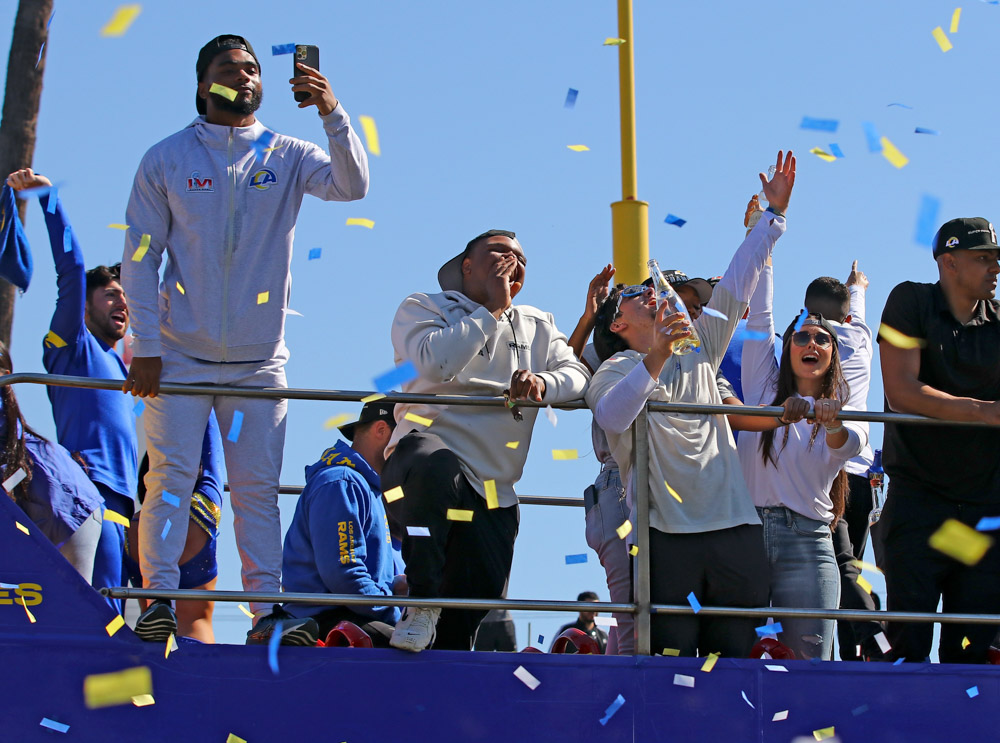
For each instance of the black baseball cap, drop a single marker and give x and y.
(210, 51)
(678, 279)
(376, 410)
(968, 233)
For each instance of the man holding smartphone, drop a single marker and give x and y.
(221, 198)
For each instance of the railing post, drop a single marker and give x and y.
(640, 455)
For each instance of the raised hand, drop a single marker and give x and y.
(598, 291)
(752, 206)
(778, 190)
(857, 277)
(26, 178)
(313, 82)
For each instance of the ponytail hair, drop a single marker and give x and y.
(15, 455)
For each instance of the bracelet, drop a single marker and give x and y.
(774, 211)
(838, 429)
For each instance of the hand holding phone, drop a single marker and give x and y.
(309, 86)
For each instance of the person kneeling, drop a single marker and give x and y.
(338, 541)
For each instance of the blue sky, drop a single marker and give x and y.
(468, 99)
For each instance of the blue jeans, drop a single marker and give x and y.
(803, 574)
(603, 519)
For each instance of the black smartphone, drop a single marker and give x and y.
(307, 55)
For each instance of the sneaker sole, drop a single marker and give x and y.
(156, 630)
(299, 637)
(409, 647)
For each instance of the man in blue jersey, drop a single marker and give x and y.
(339, 541)
(91, 316)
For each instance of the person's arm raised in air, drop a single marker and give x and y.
(597, 292)
(759, 369)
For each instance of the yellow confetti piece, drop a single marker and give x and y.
(109, 689)
(114, 625)
(893, 155)
(578, 147)
(115, 226)
(457, 514)
(942, 39)
(611, 41)
(671, 651)
(21, 527)
(337, 420)
(624, 530)
(143, 700)
(564, 454)
(222, 90)
(171, 646)
(359, 222)
(393, 494)
(263, 297)
(954, 20)
(246, 611)
(960, 542)
(419, 419)
(31, 617)
(124, 16)
(180, 288)
(115, 518)
(865, 585)
(54, 340)
(234, 739)
(140, 252)
(672, 492)
(709, 663)
(823, 733)
(965, 640)
(634, 550)
(822, 155)
(491, 494)
(897, 339)
(512, 444)
(371, 134)
(866, 566)
(373, 398)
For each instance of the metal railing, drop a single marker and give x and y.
(642, 607)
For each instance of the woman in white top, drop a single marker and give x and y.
(795, 474)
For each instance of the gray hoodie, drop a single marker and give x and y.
(225, 215)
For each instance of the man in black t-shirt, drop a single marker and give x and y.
(585, 622)
(940, 349)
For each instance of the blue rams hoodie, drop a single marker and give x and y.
(338, 541)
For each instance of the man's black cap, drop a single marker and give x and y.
(209, 52)
(372, 411)
(969, 233)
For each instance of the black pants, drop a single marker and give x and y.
(460, 559)
(497, 636)
(917, 576)
(380, 632)
(849, 540)
(723, 568)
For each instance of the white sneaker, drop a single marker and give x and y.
(416, 630)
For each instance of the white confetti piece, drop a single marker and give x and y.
(418, 531)
(551, 415)
(681, 680)
(12, 482)
(747, 700)
(883, 642)
(779, 716)
(605, 621)
(526, 678)
(776, 668)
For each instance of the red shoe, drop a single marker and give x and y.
(582, 643)
(777, 650)
(347, 635)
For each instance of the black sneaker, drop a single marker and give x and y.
(157, 623)
(294, 631)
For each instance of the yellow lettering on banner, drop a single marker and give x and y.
(624, 530)
(457, 514)
(894, 156)
(222, 90)
(564, 455)
(263, 297)
(942, 39)
(419, 419)
(960, 542)
(578, 147)
(140, 252)
(54, 340)
(114, 625)
(110, 689)
(116, 518)
(121, 20)
(491, 494)
(393, 494)
(897, 339)
(709, 663)
(371, 134)
(360, 222)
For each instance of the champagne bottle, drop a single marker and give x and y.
(762, 200)
(666, 293)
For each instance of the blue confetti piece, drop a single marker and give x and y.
(39, 60)
(801, 321)
(755, 335)
(972, 691)
(610, 711)
(39, 191)
(139, 407)
(315, 253)
(822, 125)
(53, 200)
(571, 98)
(675, 220)
(262, 143)
(272, 647)
(988, 523)
(166, 530)
(234, 429)
(900, 105)
(171, 499)
(769, 630)
(576, 559)
(396, 377)
(872, 135)
(714, 313)
(67, 240)
(927, 220)
(279, 49)
(899, 662)
(541, 639)
(836, 151)
(59, 727)
(693, 600)
(47, 25)
(922, 130)
(860, 710)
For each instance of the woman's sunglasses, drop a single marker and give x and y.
(803, 337)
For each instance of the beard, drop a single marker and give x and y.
(244, 108)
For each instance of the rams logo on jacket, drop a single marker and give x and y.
(263, 179)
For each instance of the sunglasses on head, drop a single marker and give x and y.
(803, 337)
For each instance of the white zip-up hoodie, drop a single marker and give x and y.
(459, 348)
(226, 218)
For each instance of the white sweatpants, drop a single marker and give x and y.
(175, 428)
